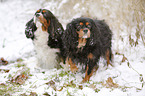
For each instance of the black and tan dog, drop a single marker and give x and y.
(85, 41)
(46, 31)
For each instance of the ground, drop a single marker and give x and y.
(21, 76)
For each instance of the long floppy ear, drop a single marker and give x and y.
(95, 34)
(55, 28)
(70, 37)
(30, 29)
(106, 34)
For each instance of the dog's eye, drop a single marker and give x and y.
(78, 28)
(89, 26)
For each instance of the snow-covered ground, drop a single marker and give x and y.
(127, 74)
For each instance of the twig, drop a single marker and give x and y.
(129, 65)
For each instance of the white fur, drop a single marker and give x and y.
(46, 56)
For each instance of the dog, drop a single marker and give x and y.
(45, 31)
(85, 40)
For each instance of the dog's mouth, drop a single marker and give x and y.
(81, 42)
(84, 33)
(85, 36)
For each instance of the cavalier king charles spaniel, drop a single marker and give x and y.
(85, 40)
(45, 31)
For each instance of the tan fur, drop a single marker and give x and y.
(82, 42)
(73, 66)
(90, 56)
(44, 22)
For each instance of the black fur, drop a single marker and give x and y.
(97, 44)
(30, 29)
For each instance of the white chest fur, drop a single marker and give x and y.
(46, 56)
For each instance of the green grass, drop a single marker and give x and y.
(9, 88)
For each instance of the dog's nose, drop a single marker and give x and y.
(37, 14)
(85, 31)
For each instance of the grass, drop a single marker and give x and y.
(60, 81)
(9, 88)
(15, 77)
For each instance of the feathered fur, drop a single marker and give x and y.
(85, 41)
(45, 30)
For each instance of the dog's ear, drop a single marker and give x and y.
(55, 31)
(71, 31)
(105, 31)
(95, 34)
(55, 28)
(70, 37)
(30, 29)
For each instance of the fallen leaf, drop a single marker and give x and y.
(20, 79)
(3, 61)
(110, 83)
(46, 94)
(80, 87)
(33, 94)
(92, 86)
(4, 70)
(124, 59)
(52, 84)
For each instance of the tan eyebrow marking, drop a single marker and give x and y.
(81, 23)
(87, 23)
(44, 11)
(38, 10)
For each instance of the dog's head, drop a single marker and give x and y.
(42, 19)
(82, 31)
(49, 23)
(82, 27)
(45, 20)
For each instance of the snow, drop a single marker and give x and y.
(14, 45)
